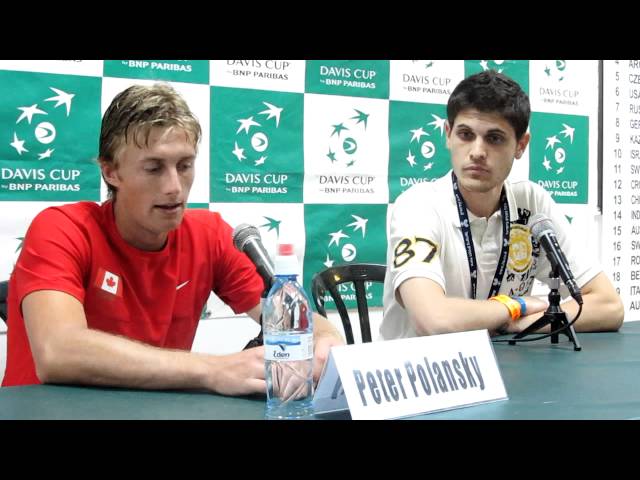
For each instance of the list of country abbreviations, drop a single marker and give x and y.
(621, 180)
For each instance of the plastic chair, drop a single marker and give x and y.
(4, 293)
(328, 280)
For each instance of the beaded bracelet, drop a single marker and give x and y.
(514, 306)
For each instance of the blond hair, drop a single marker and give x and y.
(134, 112)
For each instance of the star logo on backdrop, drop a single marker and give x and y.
(246, 124)
(272, 224)
(424, 150)
(238, 152)
(359, 224)
(556, 70)
(337, 129)
(336, 236)
(427, 63)
(497, 65)
(21, 239)
(36, 125)
(346, 250)
(29, 112)
(46, 154)
(272, 112)
(269, 229)
(551, 141)
(18, 144)
(63, 98)
(361, 117)
(252, 139)
(344, 138)
(558, 154)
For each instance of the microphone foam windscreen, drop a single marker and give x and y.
(242, 233)
(539, 224)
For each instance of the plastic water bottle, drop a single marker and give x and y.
(287, 324)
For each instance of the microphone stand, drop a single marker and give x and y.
(257, 341)
(553, 316)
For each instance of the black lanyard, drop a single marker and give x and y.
(468, 240)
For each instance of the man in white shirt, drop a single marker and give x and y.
(460, 254)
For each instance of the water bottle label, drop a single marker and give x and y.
(288, 348)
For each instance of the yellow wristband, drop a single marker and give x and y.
(512, 305)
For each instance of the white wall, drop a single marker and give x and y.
(231, 334)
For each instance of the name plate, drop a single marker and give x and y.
(410, 376)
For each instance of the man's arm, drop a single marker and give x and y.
(602, 308)
(432, 312)
(65, 350)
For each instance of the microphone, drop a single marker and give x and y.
(246, 238)
(542, 230)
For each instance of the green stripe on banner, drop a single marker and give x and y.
(190, 71)
(357, 78)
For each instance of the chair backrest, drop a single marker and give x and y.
(4, 293)
(328, 280)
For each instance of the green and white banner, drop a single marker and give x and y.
(257, 151)
(50, 124)
(418, 150)
(310, 152)
(559, 149)
(342, 234)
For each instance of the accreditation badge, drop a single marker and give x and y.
(520, 248)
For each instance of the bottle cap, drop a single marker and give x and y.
(285, 249)
(286, 262)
